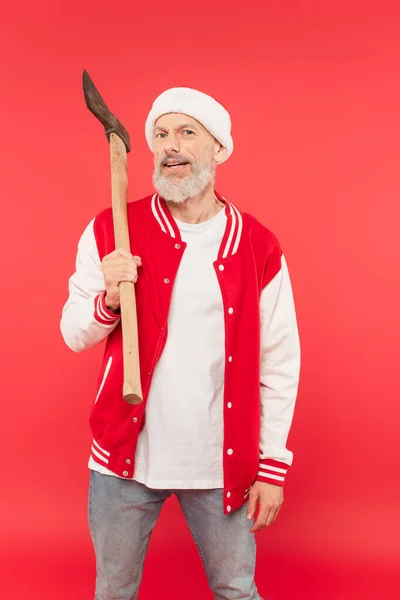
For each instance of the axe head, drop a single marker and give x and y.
(98, 107)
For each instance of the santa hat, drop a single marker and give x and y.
(205, 109)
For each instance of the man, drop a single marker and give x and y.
(219, 355)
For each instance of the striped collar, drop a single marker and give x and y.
(233, 230)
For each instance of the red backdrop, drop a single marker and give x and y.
(314, 96)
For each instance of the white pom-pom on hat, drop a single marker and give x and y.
(205, 109)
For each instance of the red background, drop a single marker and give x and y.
(313, 91)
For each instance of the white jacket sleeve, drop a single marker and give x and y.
(85, 319)
(279, 375)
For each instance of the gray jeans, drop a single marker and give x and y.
(122, 515)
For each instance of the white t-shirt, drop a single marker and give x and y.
(181, 443)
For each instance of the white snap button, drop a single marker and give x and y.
(229, 508)
(228, 495)
(166, 280)
(230, 310)
(221, 267)
(230, 359)
(128, 462)
(229, 404)
(134, 419)
(230, 451)
(177, 246)
(125, 473)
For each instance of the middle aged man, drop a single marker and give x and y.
(220, 361)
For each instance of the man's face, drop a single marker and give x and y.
(185, 157)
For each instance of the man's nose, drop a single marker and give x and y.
(172, 144)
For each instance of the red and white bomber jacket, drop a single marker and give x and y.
(262, 347)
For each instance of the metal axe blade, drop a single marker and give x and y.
(98, 107)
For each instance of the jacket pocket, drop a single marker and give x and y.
(105, 375)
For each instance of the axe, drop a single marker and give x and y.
(119, 146)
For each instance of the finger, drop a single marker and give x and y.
(257, 525)
(115, 253)
(123, 252)
(120, 259)
(261, 519)
(116, 278)
(251, 508)
(129, 276)
(271, 516)
(122, 274)
(276, 513)
(123, 262)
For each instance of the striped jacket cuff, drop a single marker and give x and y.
(272, 471)
(101, 313)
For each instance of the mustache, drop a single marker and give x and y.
(176, 157)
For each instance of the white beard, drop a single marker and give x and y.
(179, 190)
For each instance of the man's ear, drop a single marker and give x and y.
(219, 152)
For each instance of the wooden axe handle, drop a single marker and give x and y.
(132, 390)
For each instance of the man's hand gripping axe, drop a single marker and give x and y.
(119, 146)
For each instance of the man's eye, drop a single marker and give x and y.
(189, 131)
(159, 134)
